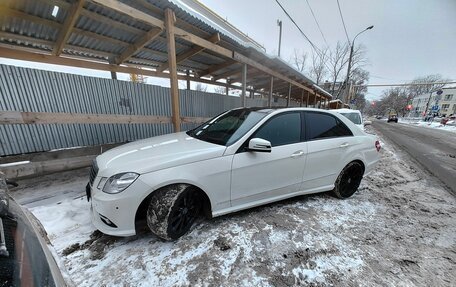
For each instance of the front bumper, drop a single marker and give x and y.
(114, 214)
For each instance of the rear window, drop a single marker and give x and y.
(320, 125)
(354, 117)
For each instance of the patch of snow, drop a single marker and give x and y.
(433, 125)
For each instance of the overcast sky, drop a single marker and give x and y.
(411, 37)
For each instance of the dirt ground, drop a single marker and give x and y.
(399, 229)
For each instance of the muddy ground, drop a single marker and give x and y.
(399, 229)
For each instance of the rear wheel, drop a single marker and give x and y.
(173, 210)
(348, 180)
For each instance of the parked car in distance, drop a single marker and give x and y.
(354, 116)
(448, 120)
(242, 158)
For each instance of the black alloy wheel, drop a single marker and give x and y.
(349, 180)
(183, 214)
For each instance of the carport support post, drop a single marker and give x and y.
(289, 95)
(307, 100)
(244, 84)
(315, 99)
(271, 87)
(227, 89)
(188, 80)
(170, 18)
(302, 98)
(113, 74)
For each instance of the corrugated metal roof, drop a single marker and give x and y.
(96, 36)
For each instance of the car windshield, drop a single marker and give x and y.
(354, 117)
(228, 127)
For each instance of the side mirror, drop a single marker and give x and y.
(366, 123)
(259, 145)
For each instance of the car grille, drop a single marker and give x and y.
(93, 172)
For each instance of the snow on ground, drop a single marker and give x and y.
(398, 229)
(451, 127)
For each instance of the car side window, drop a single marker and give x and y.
(320, 125)
(282, 129)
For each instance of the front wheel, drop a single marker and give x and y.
(348, 180)
(173, 210)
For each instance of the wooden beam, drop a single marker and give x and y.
(192, 52)
(50, 59)
(216, 68)
(65, 31)
(15, 117)
(134, 13)
(13, 52)
(227, 74)
(203, 43)
(194, 120)
(170, 18)
(139, 44)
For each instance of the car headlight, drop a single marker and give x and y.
(119, 182)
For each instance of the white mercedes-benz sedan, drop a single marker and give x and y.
(242, 158)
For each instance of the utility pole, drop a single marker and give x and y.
(279, 23)
(350, 62)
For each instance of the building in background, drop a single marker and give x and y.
(443, 104)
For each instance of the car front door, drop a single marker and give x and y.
(257, 176)
(328, 139)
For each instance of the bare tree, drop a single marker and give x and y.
(393, 99)
(431, 86)
(318, 68)
(338, 58)
(338, 61)
(299, 60)
(359, 78)
(201, 87)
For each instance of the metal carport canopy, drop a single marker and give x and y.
(136, 36)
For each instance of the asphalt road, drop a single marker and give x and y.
(434, 149)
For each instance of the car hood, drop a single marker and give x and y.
(156, 153)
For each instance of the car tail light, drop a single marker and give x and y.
(377, 145)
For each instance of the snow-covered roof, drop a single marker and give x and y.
(103, 33)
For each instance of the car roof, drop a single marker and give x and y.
(346, 111)
(269, 110)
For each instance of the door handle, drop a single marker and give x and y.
(344, 145)
(298, 153)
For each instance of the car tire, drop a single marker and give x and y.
(173, 210)
(348, 180)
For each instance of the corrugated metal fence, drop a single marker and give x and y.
(31, 90)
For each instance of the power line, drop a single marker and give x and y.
(400, 85)
(343, 22)
(292, 20)
(318, 25)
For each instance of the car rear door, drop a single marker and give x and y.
(260, 176)
(328, 139)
